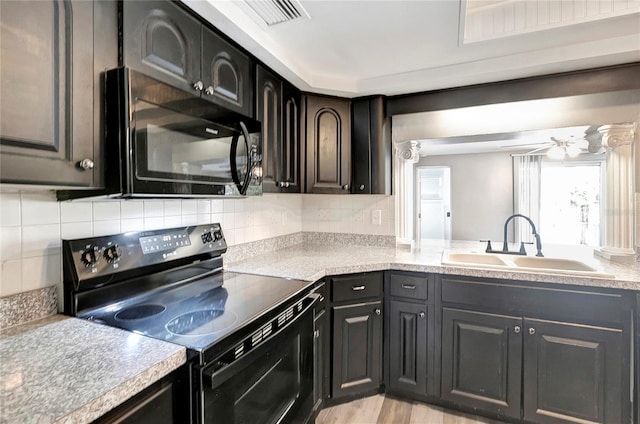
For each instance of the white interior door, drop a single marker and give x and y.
(433, 203)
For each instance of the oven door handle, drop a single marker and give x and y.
(214, 377)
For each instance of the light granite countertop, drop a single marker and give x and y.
(312, 261)
(67, 370)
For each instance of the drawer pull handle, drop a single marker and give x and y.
(357, 288)
(422, 314)
(378, 311)
(532, 331)
(516, 329)
(408, 286)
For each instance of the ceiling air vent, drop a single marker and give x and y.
(274, 12)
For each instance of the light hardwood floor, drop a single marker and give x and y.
(379, 409)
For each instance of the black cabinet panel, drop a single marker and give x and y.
(226, 74)
(357, 348)
(408, 347)
(48, 93)
(371, 144)
(291, 146)
(572, 372)
(322, 357)
(269, 112)
(482, 361)
(356, 287)
(162, 41)
(328, 130)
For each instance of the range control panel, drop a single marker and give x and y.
(99, 256)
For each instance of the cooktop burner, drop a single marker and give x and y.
(198, 323)
(140, 311)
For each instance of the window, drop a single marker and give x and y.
(570, 202)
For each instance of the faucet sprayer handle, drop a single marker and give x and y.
(522, 250)
(489, 249)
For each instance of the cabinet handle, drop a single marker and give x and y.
(422, 314)
(316, 334)
(209, 91)
(408, 286)
(361, 187)
(357, 288)
(286, 184)
(516, 329)
(198, 85)
(532, 331)
(378, 311)
(345, 187)
(86, 164)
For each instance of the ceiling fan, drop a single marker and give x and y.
(558, 148)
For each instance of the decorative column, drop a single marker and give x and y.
(619, 229)
(405, 155)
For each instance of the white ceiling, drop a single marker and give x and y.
(361, 47)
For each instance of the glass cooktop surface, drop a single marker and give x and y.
(198, 314)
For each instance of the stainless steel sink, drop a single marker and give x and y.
(532, 264)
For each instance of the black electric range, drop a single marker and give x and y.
(170, 285)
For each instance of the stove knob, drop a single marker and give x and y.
(218, 235)
(111, 253)
(89, 257)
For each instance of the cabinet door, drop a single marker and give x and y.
(371, 144)
(47, 101)
(226, 74)
(482, 361)
(328, 123)
(574, 373)
(269, 112)
(321, 359)
(162, 41)
(357, 348)
(408, 347)
(291, 140)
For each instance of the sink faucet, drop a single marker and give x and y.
(505, 246)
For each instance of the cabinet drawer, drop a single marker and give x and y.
(553, 303)
(409, 286)
(356, 287)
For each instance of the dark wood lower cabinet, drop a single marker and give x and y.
(573, 373)
(357, 349)
(482, 361)
(407, 347)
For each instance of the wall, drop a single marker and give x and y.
(481, 193)
(33, 223)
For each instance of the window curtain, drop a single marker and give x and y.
(526, 194)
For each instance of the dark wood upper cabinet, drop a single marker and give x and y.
(164, 41)
(50, 110)
(226, 74)
(371, 146)
(269, 112)
(291, 145)
(278, 108)
(161, 40)
(328, 144)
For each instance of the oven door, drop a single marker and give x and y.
(272, 383)
(175, 153)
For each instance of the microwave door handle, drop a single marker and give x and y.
(242, 185)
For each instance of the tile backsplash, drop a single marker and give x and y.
(32, 224)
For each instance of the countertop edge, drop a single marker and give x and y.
(124, 391)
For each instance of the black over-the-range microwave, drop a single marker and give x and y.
(164, 142)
